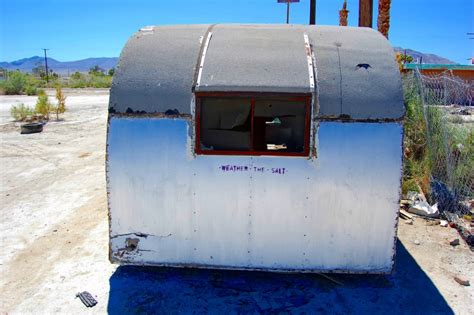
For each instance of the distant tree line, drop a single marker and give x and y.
(17, 82)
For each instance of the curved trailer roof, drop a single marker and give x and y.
(356, 73)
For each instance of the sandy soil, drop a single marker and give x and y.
(53, 232)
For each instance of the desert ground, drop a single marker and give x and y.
(54, 240)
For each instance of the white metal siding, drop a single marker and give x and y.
(336, 212)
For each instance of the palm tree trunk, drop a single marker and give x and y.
(383, 21)
(343, 14)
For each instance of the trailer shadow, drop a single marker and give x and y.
(154, 290)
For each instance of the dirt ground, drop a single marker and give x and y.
(53, 232)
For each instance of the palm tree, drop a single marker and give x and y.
(343, 14)
(383, 21)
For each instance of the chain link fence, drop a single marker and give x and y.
(448, 114)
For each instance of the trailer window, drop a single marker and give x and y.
(225, 124)
(252, 125)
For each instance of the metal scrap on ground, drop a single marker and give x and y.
(86, 298)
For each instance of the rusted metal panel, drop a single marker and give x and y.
(334, 213)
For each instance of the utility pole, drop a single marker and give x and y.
(288, 12)
(366, 8)
(46, 64)
(312, 12)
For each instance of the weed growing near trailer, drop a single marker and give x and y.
(21, 112)
(42, 108)
(439, 147)
(60, 107)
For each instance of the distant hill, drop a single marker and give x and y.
(60, 67)
(426, 58)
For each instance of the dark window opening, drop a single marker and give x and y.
(279, 126)
(225, 124)
(252, 125)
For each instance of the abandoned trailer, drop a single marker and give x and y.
(267, 147)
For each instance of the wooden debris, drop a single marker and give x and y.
(454, 242)
(405, 215)
(461, 281)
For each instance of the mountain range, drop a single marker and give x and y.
(61, 67)
(67, 67)
(424, 57)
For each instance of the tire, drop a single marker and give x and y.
(31, 128)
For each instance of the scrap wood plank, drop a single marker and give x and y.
(405, 214)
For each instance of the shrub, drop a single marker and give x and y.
(60, 108)
(21, 112)
(16, 83)
(76, 76)
(416, 167)
(31, 90)
(43, 106)
(100, 81)
(77, 80)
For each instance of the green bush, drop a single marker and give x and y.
(19, 83)
(60, 108)
(31, 90)
(21, 112)
(15, 84)
(43, 106)
(94, 79)
(100, 81)
(437, 146)
(416, 166)
(461, 140)
(77, 80)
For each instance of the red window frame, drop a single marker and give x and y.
(306, 98)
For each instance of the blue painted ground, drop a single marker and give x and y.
(145, 290)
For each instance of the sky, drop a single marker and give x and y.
(78, 29)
